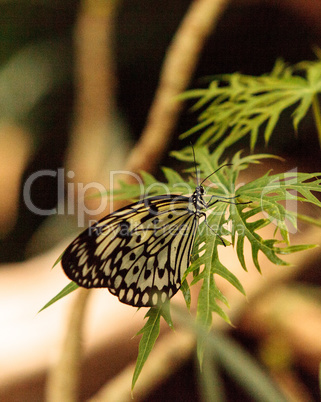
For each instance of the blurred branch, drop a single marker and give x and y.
(286, 325)
(95, 82)
(168, 355)
(292, 315)
(63, 380)
(26, 78)
(179, 65)
(93, 111)
(15, 150)
(95, 86)
(259, 310)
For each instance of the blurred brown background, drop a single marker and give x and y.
(77, 80)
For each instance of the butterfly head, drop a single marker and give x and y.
(199, 190)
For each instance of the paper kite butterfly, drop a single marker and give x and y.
(139, 252)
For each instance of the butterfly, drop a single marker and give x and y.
(140, 252)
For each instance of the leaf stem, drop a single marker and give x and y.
(309, 220)
(317, 115)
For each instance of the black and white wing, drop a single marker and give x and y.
(139, 252)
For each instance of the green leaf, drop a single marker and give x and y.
(266, 193)
(236, 105)
(235, 361)
(229, 220)
(147, 178)
(239, 364)
(166, 313)
(58, 259)
(221, 270)
(186, 293)
(65, 291)
(150, 333)
(295, 249)
(242, 221)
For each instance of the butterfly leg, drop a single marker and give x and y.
(225, 199)
(221, 199)
(204, 214)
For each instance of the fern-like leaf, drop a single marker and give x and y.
(150, 333)
(236, 105)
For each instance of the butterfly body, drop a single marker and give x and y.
(139, 252)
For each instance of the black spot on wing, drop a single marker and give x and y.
(153, 210)
(124, 230)
(147, 273)
(161, 272)
(104, 269)
(149, 297)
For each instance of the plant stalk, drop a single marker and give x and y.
(317, 115)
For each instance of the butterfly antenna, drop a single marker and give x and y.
(227, 164)
(197, 178)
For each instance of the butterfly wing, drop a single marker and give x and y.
(139, 252)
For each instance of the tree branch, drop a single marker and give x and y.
(179, 65)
